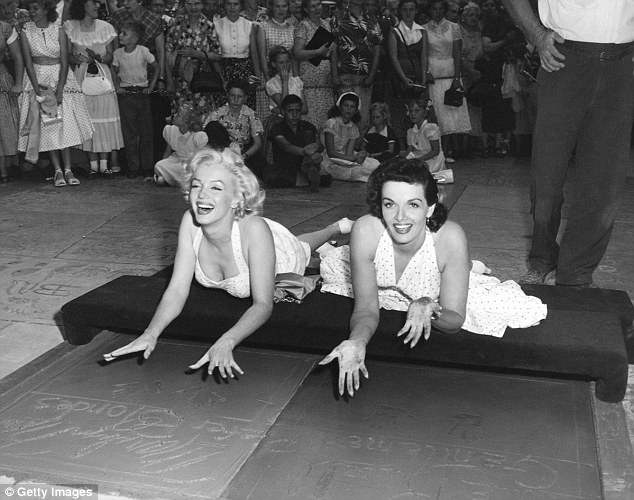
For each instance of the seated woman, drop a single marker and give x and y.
(405, 255)
(225, 244)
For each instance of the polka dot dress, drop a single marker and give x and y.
(491, 305)
(75, 127)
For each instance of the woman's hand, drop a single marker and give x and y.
(351, 355)
(16, 90)
(220, 355)
(59, 95)
(191, 52)
(93, 56)
(146, 343)
(419, 316)
(324, 50)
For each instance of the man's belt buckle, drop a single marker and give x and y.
(608, 56)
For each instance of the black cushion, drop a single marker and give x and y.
(582, 337)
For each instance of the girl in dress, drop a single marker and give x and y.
(343, 159)
(9, 91)
(406, 256)
(45, 51)
(380, 141)
(423, 139)
(91, 44)
(224, 243)
(183, 138)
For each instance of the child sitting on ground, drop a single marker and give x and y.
(183, 139)
(342, 139)
(380, 141)
(129, 63)
(296, 150)
(423, 139)
(282, 83)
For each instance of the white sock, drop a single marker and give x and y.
(103, 165)
(93, 166)
(345, 225)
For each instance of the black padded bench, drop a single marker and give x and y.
(584, 335)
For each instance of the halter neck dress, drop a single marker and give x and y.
(291, 256)
(491, 304)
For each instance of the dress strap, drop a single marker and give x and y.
(197, 239)
(236, 245)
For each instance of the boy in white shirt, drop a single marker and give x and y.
(130, 63)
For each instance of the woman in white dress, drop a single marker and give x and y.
(91, 47)
(224, 243)
(406, 256)
(444, 46)
(45, 51)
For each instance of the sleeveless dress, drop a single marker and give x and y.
(491, 305)
(76, 126)
(291, 256)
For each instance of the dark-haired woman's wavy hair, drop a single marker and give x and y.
(413, 171)
(49, 6)
(77, 10)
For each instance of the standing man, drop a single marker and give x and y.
(355, 62)
(584, 109)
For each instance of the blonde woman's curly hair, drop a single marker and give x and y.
(251, 197)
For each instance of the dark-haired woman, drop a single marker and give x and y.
(45, 51)
(191, 44)
(91, 43)
(406, 256)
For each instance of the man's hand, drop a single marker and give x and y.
(551, 58)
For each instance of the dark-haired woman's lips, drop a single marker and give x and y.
(402, 228)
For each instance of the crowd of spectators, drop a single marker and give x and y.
(168, 70)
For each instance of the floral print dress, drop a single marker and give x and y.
(200, 35)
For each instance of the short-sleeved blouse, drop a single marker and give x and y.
(276, 33)
(96, 40)
(234, 38)
(441, 37)
(274, 86)
(200, 35)
(241, 129)
(342, 132)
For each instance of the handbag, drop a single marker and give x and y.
(482, 92)
(97, 84)
(454, 97)
(206, 81)
(293, 287)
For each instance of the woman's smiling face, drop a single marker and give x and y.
(405, 212)
(212, 196)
